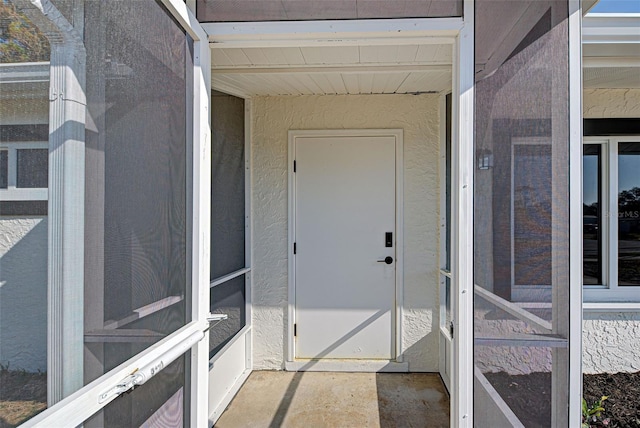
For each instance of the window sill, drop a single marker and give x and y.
(611, 307)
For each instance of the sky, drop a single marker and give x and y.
(616, 6)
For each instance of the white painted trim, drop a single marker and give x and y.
(332, 29)
(218, 411)
(607, 28)
(291, 294)
(497, 399)
(227, 88)
(611, 185)
(79, 406)
(334, 68)
(248, 236)
(144, 311)
(610, 290)
(575, 215)
(236, 337)
(333, 42)
(229, 373)
(229, 277)
(20, 72)
(611, 307)
(513, 309)
(399, 244)
(354, 366)
(186, 19)
(462, 166)
(444, 343)
(442, 178)
(24, 194)
(201, 215)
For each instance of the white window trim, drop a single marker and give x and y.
(610, 291)
(12, 192)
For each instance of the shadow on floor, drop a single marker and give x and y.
(331, 399)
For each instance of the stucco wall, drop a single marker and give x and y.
(611, 103)
(272, 118)
(23, 293)
(611, 340)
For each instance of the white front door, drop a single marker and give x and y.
(345, 227)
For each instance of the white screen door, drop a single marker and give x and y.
(345, 221)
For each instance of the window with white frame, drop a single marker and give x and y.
(23, 177)
(611, 218)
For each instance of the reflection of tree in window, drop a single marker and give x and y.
(20, 40)
(628, 214)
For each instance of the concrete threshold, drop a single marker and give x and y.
(329, 399)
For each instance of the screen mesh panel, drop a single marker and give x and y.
(521, 212)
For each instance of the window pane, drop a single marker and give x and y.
(33, 167)
(531, 208)
(448, 182)
(592, 214)
(521, 211)
(24, 113)
(4, 172)
(227, 298)
(139, 62)
(628, 214)
(227, 185)
(305, 10)
(160, 402)
(447, 301)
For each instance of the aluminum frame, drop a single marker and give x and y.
(82, 404)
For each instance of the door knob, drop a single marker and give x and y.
(388, 260)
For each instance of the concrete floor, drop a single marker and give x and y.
(322, 399)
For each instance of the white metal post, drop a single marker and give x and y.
(67, 104)
(575, 212)
(462, 166)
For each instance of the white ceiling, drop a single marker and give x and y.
(319, 70)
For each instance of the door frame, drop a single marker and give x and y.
(399, 244)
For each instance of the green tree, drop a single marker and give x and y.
(20, 40)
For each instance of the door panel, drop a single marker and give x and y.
(345, 204)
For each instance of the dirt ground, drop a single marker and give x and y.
(623, 390)
(22, 396)
(529, 398)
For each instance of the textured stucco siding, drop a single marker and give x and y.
(611, 103)
(23, 293)
(272, 118)
(515, 360)
(611, 340)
